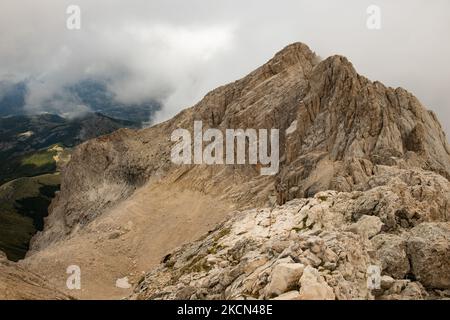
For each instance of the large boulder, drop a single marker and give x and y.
(314, 287)
(367, 226)
(284, 277)
(404, 290)
(391, 251)
(429, 249)
(291, 295)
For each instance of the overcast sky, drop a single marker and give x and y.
(175, 51)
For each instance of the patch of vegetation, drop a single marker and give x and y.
(198, 264)
(29, 165)
(222, 233)
(40, 158)
(201, 266)
(215, 248)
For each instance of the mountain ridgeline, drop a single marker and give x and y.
(364, 172)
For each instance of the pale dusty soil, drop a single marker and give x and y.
(17, 283)
(128, 240)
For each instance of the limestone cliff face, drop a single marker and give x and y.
(335, 127)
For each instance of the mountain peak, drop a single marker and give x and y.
(340, 133)
(298, 49)
(294, 54)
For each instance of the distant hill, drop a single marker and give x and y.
(24, 140)
(98, 98)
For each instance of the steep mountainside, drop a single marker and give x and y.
(338, 131)
(32, 150)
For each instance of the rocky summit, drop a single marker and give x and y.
(362, 182)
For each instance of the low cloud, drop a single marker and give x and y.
(175, 51)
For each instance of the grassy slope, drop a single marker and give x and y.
(23, 205)
(28, 165)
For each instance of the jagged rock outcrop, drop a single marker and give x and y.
(383, 157)
(307, 249)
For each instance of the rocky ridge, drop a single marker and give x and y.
(321, 247)
(367, 163)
